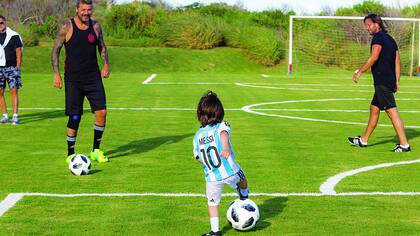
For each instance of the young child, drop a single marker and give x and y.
(212, 148)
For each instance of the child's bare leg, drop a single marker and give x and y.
(214, 218)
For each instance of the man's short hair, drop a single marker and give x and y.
(87, 2)
(376, 19)
(2, 17)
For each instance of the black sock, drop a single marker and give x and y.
(98, 131)
(71, 141)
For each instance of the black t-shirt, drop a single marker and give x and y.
(10, 49)
(383, 70)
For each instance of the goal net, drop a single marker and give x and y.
(330, 43)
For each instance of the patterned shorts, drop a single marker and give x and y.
(11, 75)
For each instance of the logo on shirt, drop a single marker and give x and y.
(91, 38)
(206, 140)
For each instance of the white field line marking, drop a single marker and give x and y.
(124, 109)
(306, 194)
(328, 186)
(267, 85)
(303, 89)
(149, 79)
(13, 198)
(250, 110)
(9, 202)
(193, 109)
(332, 110)
(338, 85)
(314, 89)
(188, 83)
(325, 85)
(275, 84)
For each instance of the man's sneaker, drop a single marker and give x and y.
(399, 148)
(211, 233)
(15, 120)
(69, 157)
(357, 141)
(98, 155)
(4, 120)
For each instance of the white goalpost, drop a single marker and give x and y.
(342, 41)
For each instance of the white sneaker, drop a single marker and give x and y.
(4, 120)
(357, 141)
(15, 120)
(399, 148)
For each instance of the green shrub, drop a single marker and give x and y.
(140, 42)
(49, 28)
(261, 44)
(367, 6)
(225, 12)
(191, 30)
(275, 19)
(29, 37)
(129, 21)
(152, 29)
(218, 9)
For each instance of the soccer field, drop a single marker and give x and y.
(289, 135)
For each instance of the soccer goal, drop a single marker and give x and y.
(319, 43)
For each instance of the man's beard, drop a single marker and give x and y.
(81, 18)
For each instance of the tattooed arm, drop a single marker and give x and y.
(55, 54)
(102, 49)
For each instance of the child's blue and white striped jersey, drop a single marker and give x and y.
(207, 147)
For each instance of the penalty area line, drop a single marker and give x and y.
(148, 80)
(11, 199)
(9, 202)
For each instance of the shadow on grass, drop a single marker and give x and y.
(410, 133)
(144, 145)
(39, 116)
(268, 209)
(91, 172)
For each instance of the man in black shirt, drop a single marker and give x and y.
(81, 37)
(384, 62)
(10, 61)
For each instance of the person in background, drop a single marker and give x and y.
(10, 62)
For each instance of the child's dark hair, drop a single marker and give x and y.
(210, 109)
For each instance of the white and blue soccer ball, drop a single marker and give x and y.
(79, 165)
(243, 214)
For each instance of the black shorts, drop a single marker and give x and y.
(383, 98)
(76, 91)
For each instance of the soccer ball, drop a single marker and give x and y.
(79, 165)
(243, 214)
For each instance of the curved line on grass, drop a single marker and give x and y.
(328, 186)
(313, 89)
(249, 109)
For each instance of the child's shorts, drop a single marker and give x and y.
(214, 189)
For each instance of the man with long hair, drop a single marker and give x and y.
(384, 62)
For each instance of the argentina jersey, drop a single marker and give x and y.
(208, 146)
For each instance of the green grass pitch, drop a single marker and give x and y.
(150, 151)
